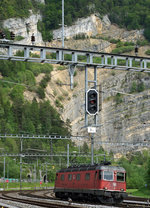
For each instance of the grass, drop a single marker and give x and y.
(25, 185)
(144, 192)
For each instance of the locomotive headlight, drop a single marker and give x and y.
(105, 188)
(122, 189)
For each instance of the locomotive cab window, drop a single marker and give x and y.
(78, 177)
(69, 177)
(120, 176)
(87, 176)
(62, 177)
(108, 176)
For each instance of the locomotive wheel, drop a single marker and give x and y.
(118, 201)
(106, 200)
(57, 194)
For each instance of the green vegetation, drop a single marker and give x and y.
(143, 192)
(17, 8)
(26, 185)
(80, 37)
(122, 47)
(58, 104)
(131, 14)
(137, 87)
(127, 13)
(118, 98)
(19, 115)
(138, 169)
(137, 165)
(61, 68)
(147, 52)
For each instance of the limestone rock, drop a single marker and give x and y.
(25, 28)
(90, 26)
(93, 25)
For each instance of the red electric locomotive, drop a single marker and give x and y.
(101, 181)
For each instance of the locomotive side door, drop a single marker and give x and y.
(74, 180)
(96, 179)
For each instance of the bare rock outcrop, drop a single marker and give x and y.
(93, 26)
(25, 28)
(90, 26)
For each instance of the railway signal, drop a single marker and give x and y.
(92, 102)
(136, 50)
(33, 39)
(12, 35)
(2, 34)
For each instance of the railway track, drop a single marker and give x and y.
(46, 198)
(16, 196)
(132, 202)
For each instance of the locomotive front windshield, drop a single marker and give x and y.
(120, 176)
(108, 175)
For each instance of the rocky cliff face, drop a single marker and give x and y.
(123, 122)
(93, 26)
(98, 32)
(89, 26)
(125, 118)
(122, 119)
(25, 28)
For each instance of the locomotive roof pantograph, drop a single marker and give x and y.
(102, 166)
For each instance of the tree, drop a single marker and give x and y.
(85, 148)
(147, 176)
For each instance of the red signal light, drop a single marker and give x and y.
(92, 102)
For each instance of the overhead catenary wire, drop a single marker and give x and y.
(16, 83)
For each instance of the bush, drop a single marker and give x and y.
(17, 92)
(137, 87)
(147, 52)
(133, 87)
(44, 81)
(46, 34)
(118, 98)
(19, 38)
(115, 41)
(141, 87)
(58, 104)
(61, 68)
(41, 93)
(147, 33)
(81, 36)
(142, 42)
(123, 49)
(46, 68)
(61, 98)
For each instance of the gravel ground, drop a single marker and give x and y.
(11, 204)
(21, 205)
